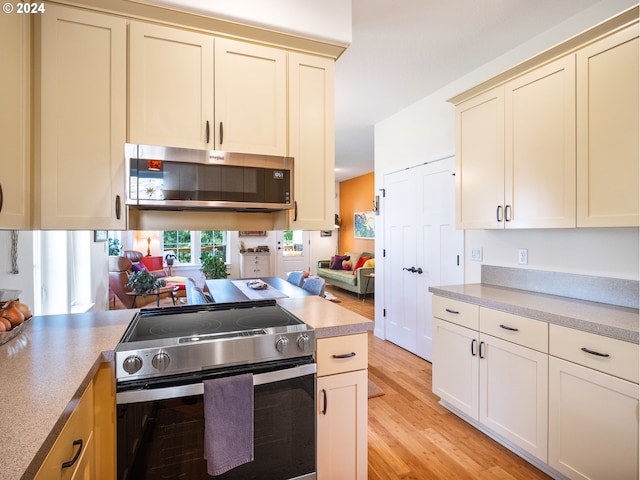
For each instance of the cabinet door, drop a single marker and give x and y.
(250, 98)
(311, 140)
(170, 87)
(15, 83)
(455, 366)
(607, 136)
(593, 423)
(480, 161)
(82, 120)
(514, 393)
(342, 426)
(540, 148)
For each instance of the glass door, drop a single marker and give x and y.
(293, 252)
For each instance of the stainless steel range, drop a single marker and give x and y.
(165, 356)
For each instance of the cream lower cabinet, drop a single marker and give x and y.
(254, 265)
(496, 381)
(593, 406)
(607, 131)
(15, 83)
(342, 407)
(81, 61)
(170, 86)
(85, 449)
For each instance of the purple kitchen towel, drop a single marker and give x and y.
(228, 422)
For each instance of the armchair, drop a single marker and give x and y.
(119, 269)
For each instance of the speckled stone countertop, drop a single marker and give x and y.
(326, 318)
(45, 369)
(612, 321)
(43, 372)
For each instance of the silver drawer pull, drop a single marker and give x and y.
(511, 329)
(593, 352)
(451, 311)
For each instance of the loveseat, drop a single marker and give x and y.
(355, 279)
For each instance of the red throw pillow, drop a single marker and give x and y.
(359, 264)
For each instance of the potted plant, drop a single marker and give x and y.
(212, 265)
(115, 249)
(144, 282)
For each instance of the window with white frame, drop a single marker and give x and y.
(188, 245)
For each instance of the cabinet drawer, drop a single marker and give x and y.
(78, 427)
(455, 311)
(605, 354)
(342, 354)
(514, 328)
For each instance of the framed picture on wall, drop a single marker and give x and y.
(99, 235)
(326, 233)
(252, 233)
(364, 224)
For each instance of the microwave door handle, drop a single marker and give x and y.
(133, 396)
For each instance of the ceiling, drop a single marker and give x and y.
(402, 51)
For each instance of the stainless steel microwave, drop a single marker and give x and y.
(181, 179)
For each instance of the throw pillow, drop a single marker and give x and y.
(336, 264)
(371, 263)
(360, 263)
(346, 264)
(138, 267)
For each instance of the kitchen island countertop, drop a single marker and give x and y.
(599, 318)
(46, 368)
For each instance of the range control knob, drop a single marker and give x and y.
(160, 361)
(132, 364)
(303, 342)
(282, 344)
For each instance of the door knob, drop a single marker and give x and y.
(419, 270)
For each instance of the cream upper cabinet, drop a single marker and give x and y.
(480, 161)
(170, 86)
(311, 140)
(15, 83)
(540, 158)
(250, 98)
(81, 90)
(516, 152)
(607, 141)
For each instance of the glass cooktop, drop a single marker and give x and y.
(211, 320)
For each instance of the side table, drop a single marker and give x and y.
(157, 292)
(366, 288)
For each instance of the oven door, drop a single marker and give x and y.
(160, 431)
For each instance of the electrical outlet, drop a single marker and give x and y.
(523, 256)
(476, 254)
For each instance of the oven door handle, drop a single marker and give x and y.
(133, 396)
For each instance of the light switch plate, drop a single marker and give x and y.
(476, 254)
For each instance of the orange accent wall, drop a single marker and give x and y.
(356, 195)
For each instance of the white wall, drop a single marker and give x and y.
(24, 279)
(425, 131)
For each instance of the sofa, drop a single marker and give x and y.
(356, 279)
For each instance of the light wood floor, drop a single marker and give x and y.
(410, 435)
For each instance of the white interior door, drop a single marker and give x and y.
(292, 252)
(420, 234)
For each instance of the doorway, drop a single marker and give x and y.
(422, 247)
(292, 251)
